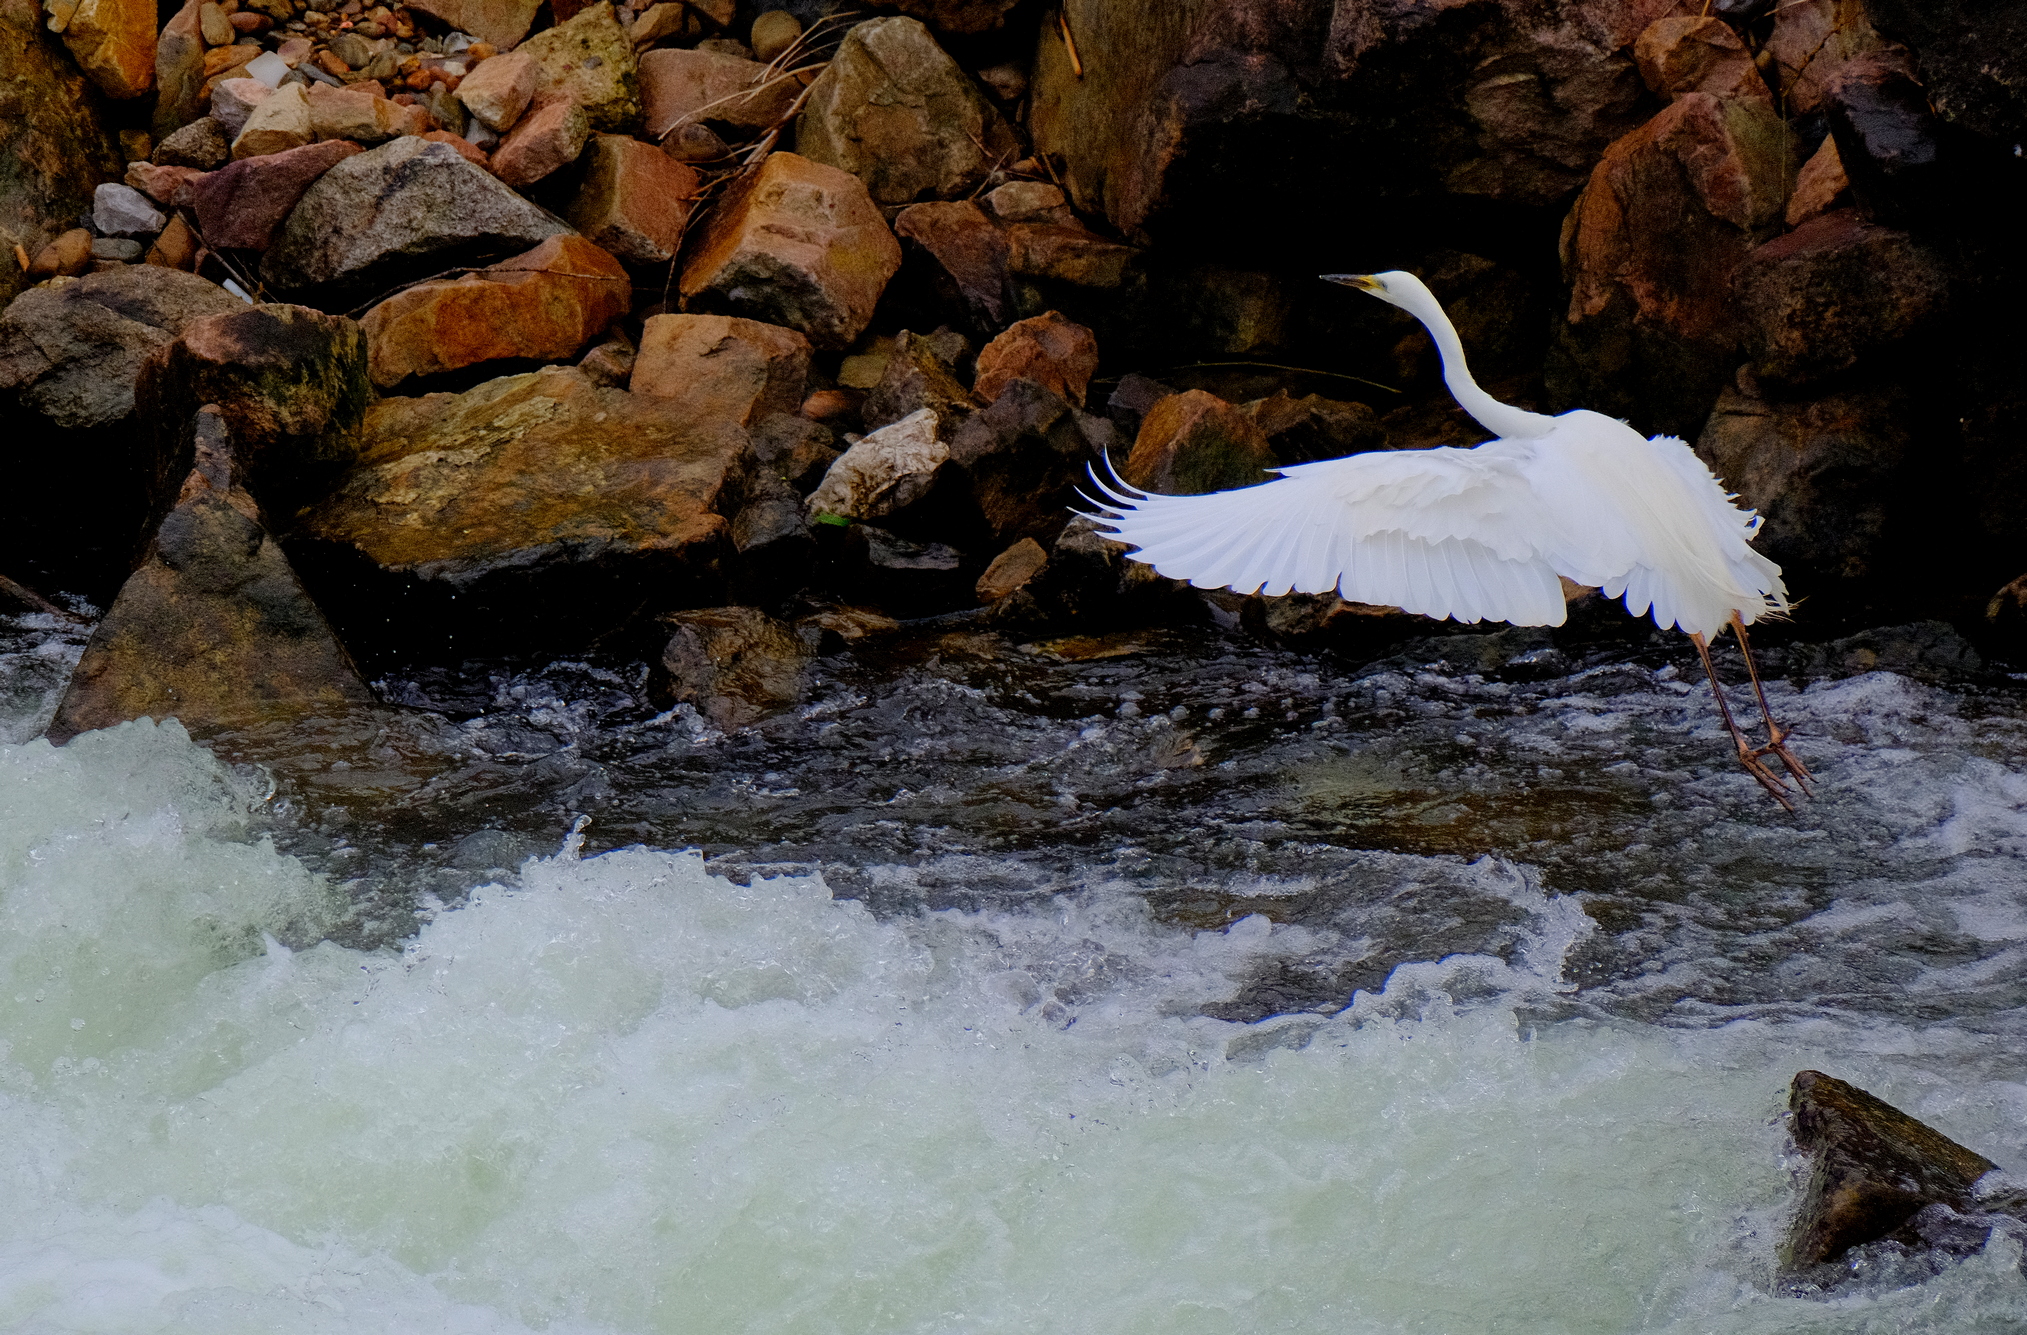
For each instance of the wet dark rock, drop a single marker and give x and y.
(213, 627)
(907, 579)
(1921, 649)
(966, 256)
(918, 376)
(1195, 442)
(959, 18)
(772, 535)
(536, 508)
(1020, 461)
(734, 664)
(405, 210)
(1313, 427)
(1971, 58)
(2006, 621)
(795, 449)
(1835, 292)
(291, 381)
(1089, 585)
(1132, 398)
(1888, 139)
(1875, 1169)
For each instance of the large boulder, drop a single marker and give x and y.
(795, 243)
(396, 213)
(1669, 215)
(894, 110)
(722, 369)
(114, 42)
(291, 381)
(546, 305)
(54, 147)
(1195, 442)
(213, 628)
(1834, 293)
(590, 60)
(533, 510)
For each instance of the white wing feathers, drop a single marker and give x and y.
(1474, 534)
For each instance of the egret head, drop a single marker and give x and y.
(1395, 287)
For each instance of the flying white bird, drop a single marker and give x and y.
(1482, 533)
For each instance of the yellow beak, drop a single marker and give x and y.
(1364, 282)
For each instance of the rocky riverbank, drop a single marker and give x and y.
(341, 336)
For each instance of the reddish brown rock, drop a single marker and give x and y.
(244, 205)
(358, 114)
(634, 199)
(114, 42)
(680, 87)
(534, 508)
(796, 244)
(500, 23)
(500, 89)
(722, 368)
(233, 99)
(1819, 187)
(547, 137)
(1010, 570)
(1832, 293)
(464, 147)
(69, 254)
(968, 253)
(175, 248)
(1047, 349)
(1697, 55)
(164, 185)
(1811, 42)
(960, 18)
(546, 305)
(894, 110)
(1195, 442)
(213, 628)
(179, 74)
(1672, 210)
(1066, 253)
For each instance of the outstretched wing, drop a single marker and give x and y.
(1444, 532)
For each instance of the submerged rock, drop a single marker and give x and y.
(213, 627)
(734, 664)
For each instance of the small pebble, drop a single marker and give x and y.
(774, 32)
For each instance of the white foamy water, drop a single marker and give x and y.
(627, 1096)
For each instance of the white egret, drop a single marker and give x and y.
(1482, 533)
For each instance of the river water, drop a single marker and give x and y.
(1163, 983)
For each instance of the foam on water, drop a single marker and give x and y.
(629, 1096)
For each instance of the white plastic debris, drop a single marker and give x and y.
(268, 67)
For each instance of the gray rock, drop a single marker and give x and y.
(888, 470)
(353, 49)
(121, 210)
(72, 350)
(908, 579)
(1021, 459)
(234, 100)
(894, 110)
(794, 449)
(202, 144)
(118, 249)
(409, 208)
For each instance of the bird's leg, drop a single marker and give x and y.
(1777, 736)
(1747, 756)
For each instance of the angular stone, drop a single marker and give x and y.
(500, 88)
(610, 361)
(499, 23)
(292, 382)
(886, 471)
(164, 185)
(281, 122)
(233, 101)
(1312, 427)
(681, 88)
(534, 509)
(1047, 349)
(175, 248)
(114, 42)
(202, 144)
(1812, 41)
(1875, 1168)
(907, 578)
(245, 205)
(1889, 141)
(121, 210)
(546, 138)
(546, 305)
(1833, 293)
(634, 200)
(1819, 187)
(1010, 570)
(776, 548)
(1697, 55)
(179, 75)
(590, 60)
(1066, 253)
(722, 369)
(918, 376)
(358, 114)
(1972, 59)
(1020, 460)
(397, 212)
(1028, 201)
(463, 147)
(1670, 213)
(54, 147)
(1194, 442)
(213, 628)
(736, 665)
(72, 352)
(894, 110)
(797, 244)
(968, 253)
(1829, 478)
(794, 449)
(69, 255)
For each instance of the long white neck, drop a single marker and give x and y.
(1501, 419)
